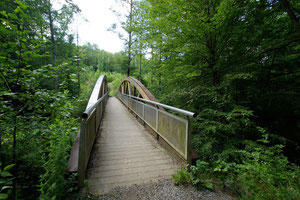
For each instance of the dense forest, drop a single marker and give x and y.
(234, 63)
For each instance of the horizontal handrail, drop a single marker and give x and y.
(88, 111)
(90, 123)
(184, 112)
(95, 93)
(172, 129)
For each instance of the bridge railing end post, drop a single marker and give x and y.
(189, 142)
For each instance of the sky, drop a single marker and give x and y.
(99, 18)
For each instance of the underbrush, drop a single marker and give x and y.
(44, 139)
(257, 172)
(114, 80)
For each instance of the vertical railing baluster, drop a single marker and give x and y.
(156, 126)
(82, 152)
(143, 111)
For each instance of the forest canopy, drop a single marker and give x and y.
(234, 63)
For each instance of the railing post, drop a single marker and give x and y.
(96, 125)
(143, 112)
(136, 107)
(130, 103)
(82, 154)
(156, 127)
(102, 108)
(189, 142)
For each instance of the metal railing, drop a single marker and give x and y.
(173, 129)
(91, 120)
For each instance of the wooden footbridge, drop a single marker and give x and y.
(128, 139)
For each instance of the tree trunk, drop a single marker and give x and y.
(53, 45)
(292, 15)
(78, 67)
(211, 47)
(140, 68)
(130, 39)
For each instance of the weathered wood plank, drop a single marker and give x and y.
(125, 153)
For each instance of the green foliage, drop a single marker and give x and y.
(114, 79)
(56, 154)
(182, 176)
(92, 56)
(5, 181)
(37, 125)
(88, 80)
(235, 64)
(266, 174)
(261, 173)
(190, 175)
(219, 131)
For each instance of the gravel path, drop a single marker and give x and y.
(163, 189)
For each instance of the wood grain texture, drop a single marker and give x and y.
(125, 153)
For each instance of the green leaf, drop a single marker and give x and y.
(4, 13)
(208, 185)
(6, 187)
(8, 167)
(17, 9)
(5, 174)
(8, 93)
(23, 6)
(3, 196)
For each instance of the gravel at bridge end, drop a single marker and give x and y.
(161, 190)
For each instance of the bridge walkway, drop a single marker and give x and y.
(125, 153)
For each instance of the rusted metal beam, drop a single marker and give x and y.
(142, 90)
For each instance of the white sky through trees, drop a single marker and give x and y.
(99, 18)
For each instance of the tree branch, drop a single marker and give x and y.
(292, 15)
(289, 10)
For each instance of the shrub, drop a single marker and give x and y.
(261, 172)
(53, 183)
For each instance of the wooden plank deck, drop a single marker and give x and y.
(125, 153)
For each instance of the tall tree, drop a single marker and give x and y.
(126, 15)
(58, 26)
(222, 56)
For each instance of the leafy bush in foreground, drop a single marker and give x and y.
(262, 173)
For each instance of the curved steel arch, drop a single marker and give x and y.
(139, 90)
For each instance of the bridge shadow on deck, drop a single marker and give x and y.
(125, 153)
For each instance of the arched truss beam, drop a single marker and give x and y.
(132, 86)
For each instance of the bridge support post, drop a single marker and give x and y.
(144, 114)
(156, 124)
(189, 143)
(82, 154)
